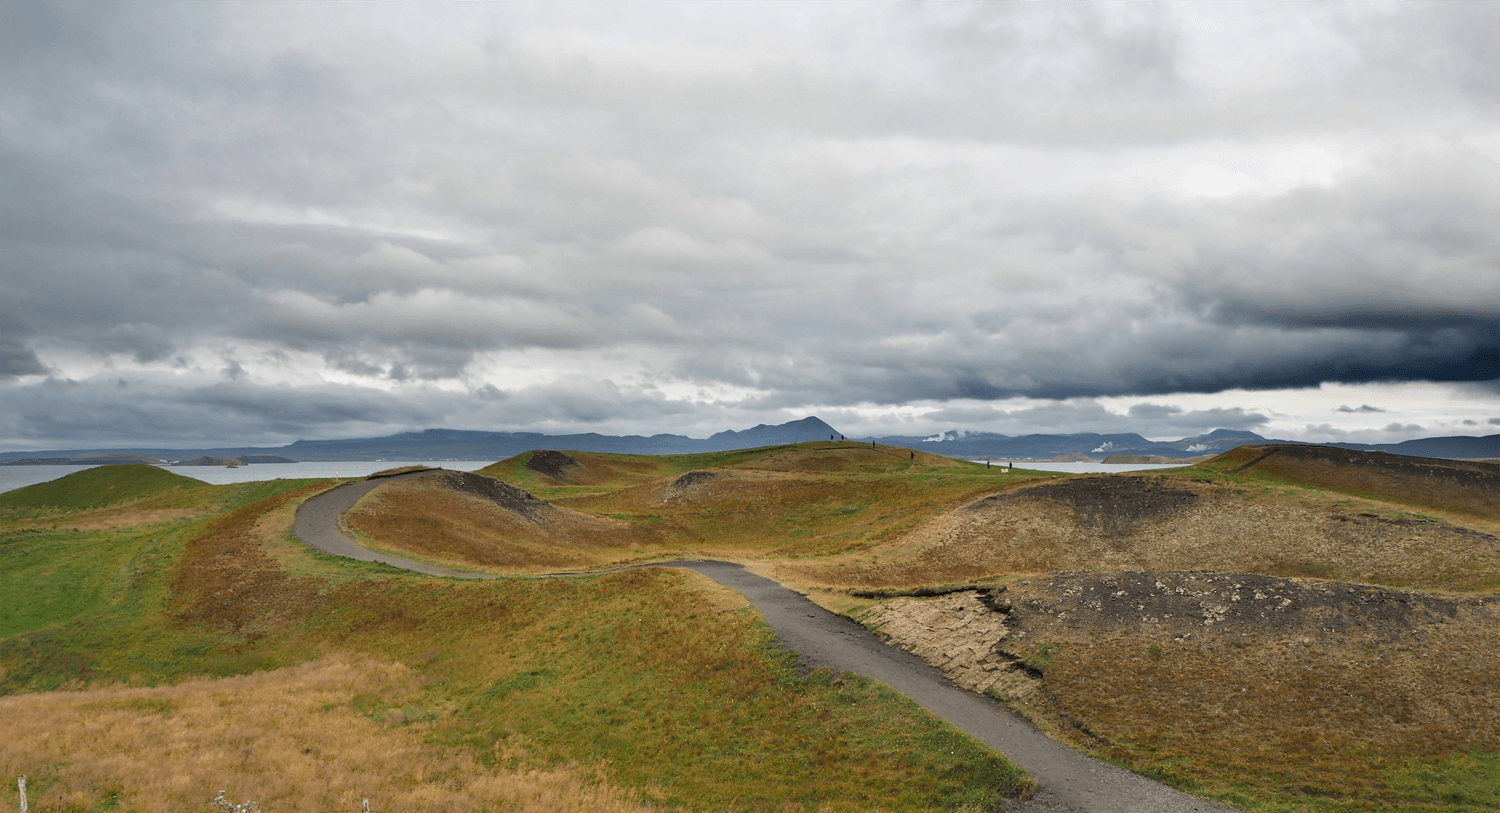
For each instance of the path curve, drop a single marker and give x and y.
(1071, 782)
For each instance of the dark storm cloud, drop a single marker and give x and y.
(17, 360)
(581, 209)
(158, 413)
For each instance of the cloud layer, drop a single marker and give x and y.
(287, 220)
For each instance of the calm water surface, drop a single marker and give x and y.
(13, 477)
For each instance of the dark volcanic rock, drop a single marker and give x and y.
(550, 463)
(693, 478)
(502, 494)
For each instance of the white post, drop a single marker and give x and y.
(364, 807)
(22, 785)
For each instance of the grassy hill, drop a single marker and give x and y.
(96, 488)
(785, 501)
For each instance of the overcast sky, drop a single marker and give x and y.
(257, 222)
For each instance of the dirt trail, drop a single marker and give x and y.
(1070, 781)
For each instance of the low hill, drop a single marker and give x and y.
(560, 473)
(1451, 485)
(97, 488)
(467, 520)
(211, 461)
(1171, 522)
(800, 498)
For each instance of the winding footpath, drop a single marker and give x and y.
(1070, 781)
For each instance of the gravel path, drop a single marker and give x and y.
(1070, 781)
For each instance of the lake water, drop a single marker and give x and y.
(1093, 468)
(13, 477)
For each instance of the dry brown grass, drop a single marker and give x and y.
(227, 580)
(290, 739)
(422, 518)
(1219, 529)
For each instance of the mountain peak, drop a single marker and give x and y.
(808, 429)
(1230, 433)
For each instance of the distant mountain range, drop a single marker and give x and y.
(1094, 446)
(458, 444)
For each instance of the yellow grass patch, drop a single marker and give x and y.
(320, 736)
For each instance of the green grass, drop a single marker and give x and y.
(97, 488)
(1042, 659)
(1465, 782)
(49, 576)
(636, 670)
